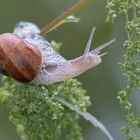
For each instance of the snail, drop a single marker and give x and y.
(27, 57)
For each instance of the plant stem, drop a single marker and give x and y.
(60, 18)
(134, 10)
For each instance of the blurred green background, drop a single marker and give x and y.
(102, 82)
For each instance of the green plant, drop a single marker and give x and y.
(38, 115)
(130, 9)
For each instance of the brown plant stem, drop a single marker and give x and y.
(60, 18)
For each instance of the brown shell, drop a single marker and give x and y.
(18, 58)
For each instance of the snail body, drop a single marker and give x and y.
(28, 57)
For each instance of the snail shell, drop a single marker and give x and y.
(18, 58)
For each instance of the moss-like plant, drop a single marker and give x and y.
(130, 9)
(38, 115)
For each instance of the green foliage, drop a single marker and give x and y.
(38, 115)
(130, 9)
